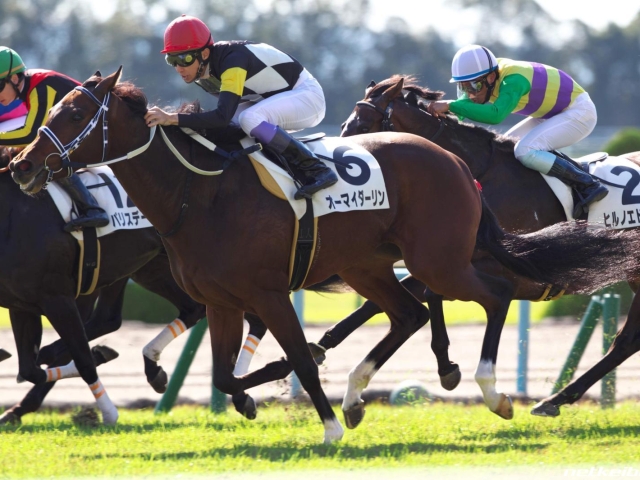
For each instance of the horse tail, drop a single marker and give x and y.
(584, 257)
(333, 284)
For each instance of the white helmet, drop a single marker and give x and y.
(471, 62)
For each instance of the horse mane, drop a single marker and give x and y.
(414, 93)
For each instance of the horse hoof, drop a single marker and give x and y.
(245, 406)
(318, 352)
(10, 418)
(159, 382)
(505, 407)
(451, 380)
(103, 354)
(354, 415)
(4, 355)
(545, 409)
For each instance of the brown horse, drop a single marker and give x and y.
(231, 249)
(520, 198)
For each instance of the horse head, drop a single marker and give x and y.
(391, 105)
(66, 131)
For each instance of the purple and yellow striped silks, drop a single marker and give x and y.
(552, 90)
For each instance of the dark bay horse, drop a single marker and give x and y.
(520, 198)
(231, 249)
(38, 277)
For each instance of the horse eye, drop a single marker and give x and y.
(364, 130)
(76, 117)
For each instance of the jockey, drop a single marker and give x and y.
(560, 113)
(279, 94)
(39, 90)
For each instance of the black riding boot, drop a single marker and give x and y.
(317, 174)
(589, 189)
(90, 213)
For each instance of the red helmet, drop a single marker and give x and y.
(186, 33)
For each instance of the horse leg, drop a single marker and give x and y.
(156, 277)
(276, 311)
(4, 355)
(65, 319)
(625, 344)
(27, 333)
(243, 402)
(444, 268)
(407, 315)
(448, 371)
(100, 318)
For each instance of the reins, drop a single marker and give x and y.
(65, 151)
(387, 124)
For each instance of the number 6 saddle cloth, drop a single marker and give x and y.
(360, 185)
(621, 207)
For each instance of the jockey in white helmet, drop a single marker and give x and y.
(559, 112)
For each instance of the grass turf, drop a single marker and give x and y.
(194, 441)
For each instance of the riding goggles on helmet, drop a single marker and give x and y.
(472, 86)
(181, 59)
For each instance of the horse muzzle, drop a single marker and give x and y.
(25, 174)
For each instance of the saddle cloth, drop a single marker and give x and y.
(360, 186)
(621, 207)
(108, 192)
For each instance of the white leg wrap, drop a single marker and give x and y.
(359, 378)
(333, 431)
(58, 373)
(486, 379)
(246, 355)
(106, 406)
(154, 348)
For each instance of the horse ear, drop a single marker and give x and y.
(372, 84)
(369, 87)
(411, 98)
(395, 91)
(97, 74)
(107, 83)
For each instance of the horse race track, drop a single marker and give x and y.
(435, 440)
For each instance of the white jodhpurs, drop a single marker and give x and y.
(302, 107)
(538, 136)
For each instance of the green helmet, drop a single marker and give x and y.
(10, 62)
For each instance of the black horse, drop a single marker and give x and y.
(38, 276)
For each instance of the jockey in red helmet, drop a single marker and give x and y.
(259, 87)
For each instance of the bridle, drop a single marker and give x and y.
(387, 124)
(64, 151)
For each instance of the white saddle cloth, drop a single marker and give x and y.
(360, 186)
(621, 207)
(108, 192)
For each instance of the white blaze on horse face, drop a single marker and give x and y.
(333, 430)
(359, 378)
(486, 379)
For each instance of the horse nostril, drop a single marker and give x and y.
(24, 166)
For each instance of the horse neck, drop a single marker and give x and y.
(159, 184)
(519, 196)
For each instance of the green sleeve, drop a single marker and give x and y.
(512, 89)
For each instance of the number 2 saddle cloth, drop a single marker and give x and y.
(621, 207)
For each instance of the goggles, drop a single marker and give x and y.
(181, 59)
(472, 87)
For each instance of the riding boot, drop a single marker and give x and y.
(317, 174)
(589, 189)
(90, 214)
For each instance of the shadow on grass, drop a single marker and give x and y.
(283, 453)
(566, 433)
